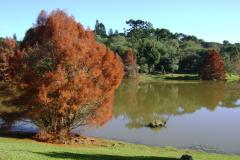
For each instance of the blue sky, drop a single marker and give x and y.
(211, 20)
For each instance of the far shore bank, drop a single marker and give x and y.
(180, 77)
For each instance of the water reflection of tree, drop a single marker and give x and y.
(232, 95)
(142, 103)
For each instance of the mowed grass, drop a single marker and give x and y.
(25, 149)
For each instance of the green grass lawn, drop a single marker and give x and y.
(25, 149)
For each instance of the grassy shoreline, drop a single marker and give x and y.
(27, 149)
(180, 77)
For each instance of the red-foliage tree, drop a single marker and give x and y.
(64, 76)
(130, 57)
(213, 67)
(8, 48)
(130, 62)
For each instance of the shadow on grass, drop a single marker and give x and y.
(20, 135)
(78, 156)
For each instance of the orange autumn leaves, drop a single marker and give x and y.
(64, 75)
(8, 48)
(130, 62)
(130, 58)
(213, 67)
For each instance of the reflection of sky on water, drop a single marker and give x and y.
(24, 126)
(219, 129)
(237, 102)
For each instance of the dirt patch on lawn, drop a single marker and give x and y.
(75, 140)
(83, 141)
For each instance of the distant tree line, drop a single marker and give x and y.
(159, 50)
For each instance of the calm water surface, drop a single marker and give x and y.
(199, 115)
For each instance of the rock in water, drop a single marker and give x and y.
(186, 157)
(157, 123)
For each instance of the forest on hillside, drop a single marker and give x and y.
(159, 50)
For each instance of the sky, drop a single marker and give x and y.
(211, 20)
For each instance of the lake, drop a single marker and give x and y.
(202, 115)
(198, 115)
